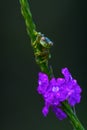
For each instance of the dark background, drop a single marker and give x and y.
(65, 23)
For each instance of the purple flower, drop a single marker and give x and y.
(55, 91)
(43, 83)
(59, 113)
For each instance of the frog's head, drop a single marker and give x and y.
(45, 42)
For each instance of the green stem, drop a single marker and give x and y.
(72, 116)
(30, 26)
(31, 29)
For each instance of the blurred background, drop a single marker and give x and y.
(65, 23)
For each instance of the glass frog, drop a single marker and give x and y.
(41, 47)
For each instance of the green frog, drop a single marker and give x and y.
(41, 47)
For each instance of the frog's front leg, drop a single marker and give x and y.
(34, 44)
(37, 41)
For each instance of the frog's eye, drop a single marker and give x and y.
(48, 41)
(45, 42)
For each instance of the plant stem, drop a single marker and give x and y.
(72, 117)
(31, 30)
(30, 26)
